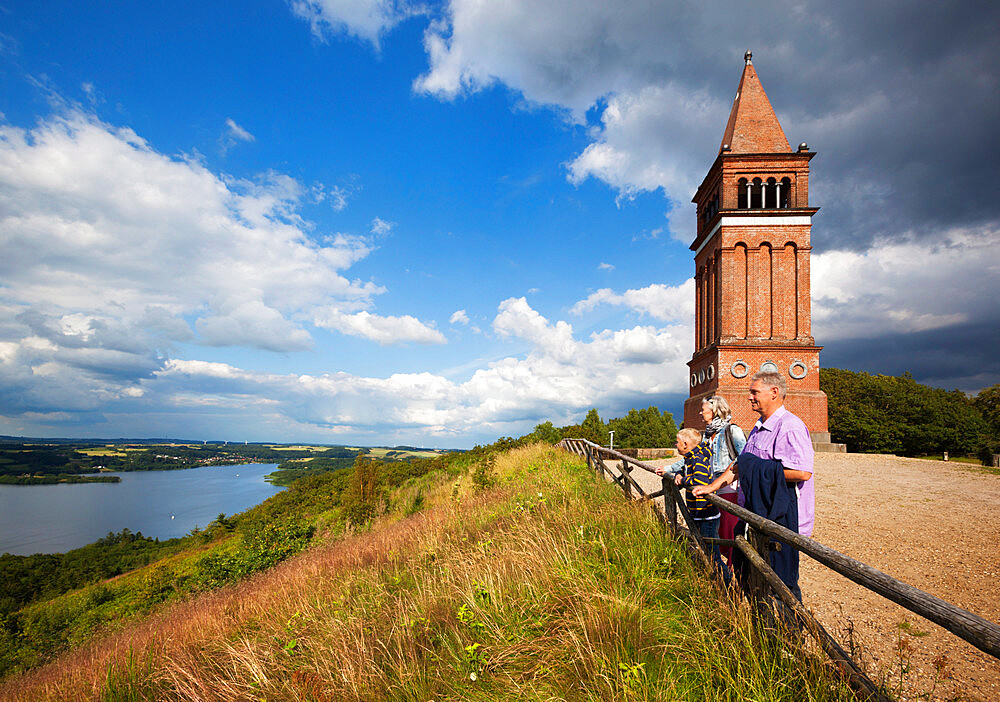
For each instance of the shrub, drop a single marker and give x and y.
(886, 414)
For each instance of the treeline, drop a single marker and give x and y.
(889, 414)
(40, 464)
(56, 478)
(27, 579)
(645, 428)
(290, 471)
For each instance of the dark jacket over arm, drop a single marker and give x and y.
(767, 494)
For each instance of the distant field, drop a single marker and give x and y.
(298, 448)
(399, 453)
(101, 452)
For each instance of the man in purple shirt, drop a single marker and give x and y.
(779, 436)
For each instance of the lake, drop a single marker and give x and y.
(163, 504)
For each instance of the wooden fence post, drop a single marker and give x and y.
(669, 504)
(693, 533)
(627, 482)
(858, 681)
(761, 543)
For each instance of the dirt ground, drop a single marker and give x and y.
(930, 524)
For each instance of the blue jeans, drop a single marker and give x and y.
(710, 528)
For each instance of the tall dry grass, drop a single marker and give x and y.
(544, 586)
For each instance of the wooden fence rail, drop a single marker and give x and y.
(980, 632)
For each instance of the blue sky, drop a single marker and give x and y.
(382, 222)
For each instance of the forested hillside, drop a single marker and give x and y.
(887, 414)
(645, 428)
(39, 462)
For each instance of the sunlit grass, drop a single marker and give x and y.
(402, 453)
(971, 460)
(526, 580)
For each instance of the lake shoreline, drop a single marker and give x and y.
(161, 504)
(101, 475)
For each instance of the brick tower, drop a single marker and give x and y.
(751, 252)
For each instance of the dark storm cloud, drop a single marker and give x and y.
(919, 160)
(899, 99)
(962, 357)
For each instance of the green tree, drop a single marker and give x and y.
(364, 491)
(594, 428)
(887, 414)
(647, 428)
(988, 402)
(544, 432)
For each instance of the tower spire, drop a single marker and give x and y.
(753, 127)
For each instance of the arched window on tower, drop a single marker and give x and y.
(770, 194)
(742, 194)
(757, 195)
(785, 193)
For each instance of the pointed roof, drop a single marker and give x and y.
(753, 127)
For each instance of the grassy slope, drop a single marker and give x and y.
(544, 586)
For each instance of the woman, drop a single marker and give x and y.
(726, 440)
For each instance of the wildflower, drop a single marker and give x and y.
(473, 677)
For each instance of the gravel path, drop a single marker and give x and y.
(930, 524)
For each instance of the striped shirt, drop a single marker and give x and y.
(698, 471)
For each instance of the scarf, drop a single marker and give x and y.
(716, 425)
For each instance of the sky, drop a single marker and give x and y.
(380, 222)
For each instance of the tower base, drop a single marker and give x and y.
(807, 405)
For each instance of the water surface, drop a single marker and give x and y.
(164, 504)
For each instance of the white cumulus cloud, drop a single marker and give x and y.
(557, 378)
(115, 253)
(366, 19)
(664, 302)
(905, 287)
(384, 330)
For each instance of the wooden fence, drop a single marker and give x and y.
(981, 633)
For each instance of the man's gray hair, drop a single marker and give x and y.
(771, 379)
